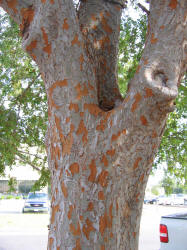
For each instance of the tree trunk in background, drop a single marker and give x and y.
(101, 147)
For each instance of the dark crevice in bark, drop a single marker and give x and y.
(101, 37)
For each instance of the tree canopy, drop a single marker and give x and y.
(23, 103)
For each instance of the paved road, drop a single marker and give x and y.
(23, 241)
(36, 238)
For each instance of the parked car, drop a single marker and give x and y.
(36, 202)
(178, 199)
(150, 200)
(162, 200)
(173, 230)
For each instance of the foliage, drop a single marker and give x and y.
(132, 40)
(21, 92)
(172, 187)
(155, 190)
(12, 183)
(173, 147)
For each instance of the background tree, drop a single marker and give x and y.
(12, 183)
(21, 92)
(101, 147)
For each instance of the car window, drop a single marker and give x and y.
(37, 196)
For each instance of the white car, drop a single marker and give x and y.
(36, 202)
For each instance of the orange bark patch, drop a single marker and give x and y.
(136, 163)
(101, 195)
(12, 5)
(52, 1)
(81, 61)
(76, 41)
(67, 119)
(73, 229)
(88, 228)
(70, 212)
(57, 152)
(104, 160)
(68, 141)
(81, 114)
(137, 98)
(83, 130)
(102, 42)
(173, 4)
(138, 68)
(153, 39)
(43, 1)
(81, 92)
(51, 240)
(105, 221)
(74, 106)
(145, 61)
(47, 48)
(102, 247)
(134, 234)
(102, 178)
(93, 18)
(162, 27)
(111, 152)
(78, 245)
(65, 25)
(55, 209)
(137, 197)
(105, 25)
(31, 46)
(90, 86)
(74, 168)
(101, 126)
(64, 190)
(93, 109)
(149, 92)
(115, 136)
(141, 178)
(126, 210)
(154, 134)
(143, 120)
(81, 217)
(90, 206)
(110, 215)
(93, 171)
(60, 84)
(27, 17)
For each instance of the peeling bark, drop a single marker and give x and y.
(100, 161)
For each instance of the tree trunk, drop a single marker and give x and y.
(100, 147)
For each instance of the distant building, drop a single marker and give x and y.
(22, 186)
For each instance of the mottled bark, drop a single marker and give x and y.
(100, 161)
(100, 26)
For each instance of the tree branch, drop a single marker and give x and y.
(28, 162)
(36, 156)
(121, 3)
(143, 8)
(26, 89)
(100, 25)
